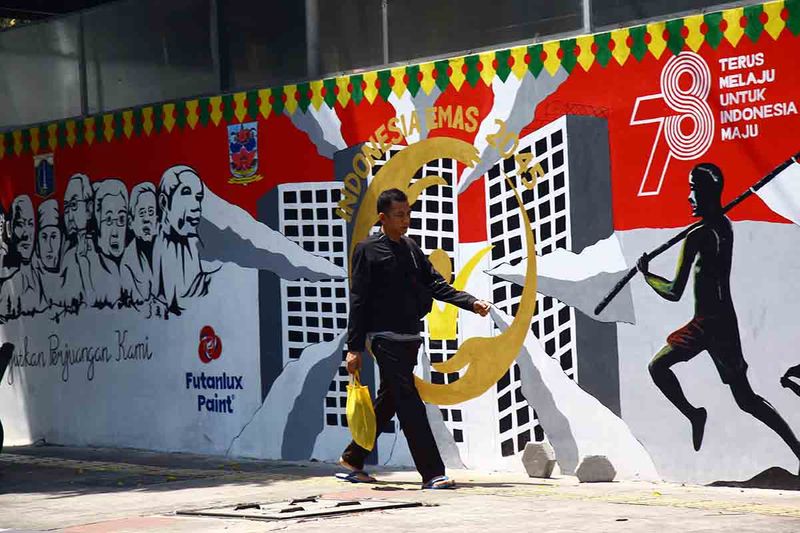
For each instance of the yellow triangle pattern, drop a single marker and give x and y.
(52, 136)
(216, 109)
(108, 127)
(127, 123)
(399, 77)
(552, 63)
(147, 120)
(621, 50)
(316, 94)
(371, 91)
(169, 117)
(457, 78)
(734, 31)
(34, 132)
(71, 136)
(657, 42)
(89, 134)
(291, 98)
(192, 113)
(427, 83)
(520, 67)
(488, 72)
(265, 107)
(695, 38)
(343, 97)
(17, 141)
(240, 109)
(586, 56)
(775, 24)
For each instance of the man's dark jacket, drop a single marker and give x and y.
(392, 285)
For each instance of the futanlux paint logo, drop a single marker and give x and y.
(213, 385)
(214, 398)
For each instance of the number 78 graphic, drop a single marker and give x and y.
(684, 118)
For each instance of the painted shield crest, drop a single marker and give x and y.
(44, 175)
(243, 152)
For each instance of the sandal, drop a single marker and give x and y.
(439, 483)
(357, 476)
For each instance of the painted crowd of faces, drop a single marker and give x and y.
(107, 248)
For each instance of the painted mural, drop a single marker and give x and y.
(180, 271)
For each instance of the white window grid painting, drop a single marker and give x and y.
(547, 205)
(315, 312)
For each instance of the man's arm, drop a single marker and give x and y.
(356, 323)
(444, 292)
(673, 290)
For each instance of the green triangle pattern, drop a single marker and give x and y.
(277, 101)
(204, 111)
(793, 22)
(442, 78)
(119, 125)
(181, 118)
(714, 35)
(138, 122)
(754, 27)
(639, 46)
(384, 84)
(536, 64)
(503, 69)
(61, 134)
(304, 95)
(158, 118)
(26, 141)
(358, 91)
(412, 83)
(252, 104)
(676, 41)
(473, 75)
(44, 141)
(568, 57)
(44, 145)
(80, 132)
(100, 129)
(330, 92)
(228, 111)
(603, 55)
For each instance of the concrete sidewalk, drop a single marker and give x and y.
(105, 490)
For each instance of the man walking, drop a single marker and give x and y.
(714, 328)
(391, 290)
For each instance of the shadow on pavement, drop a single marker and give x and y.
(65, 471)
(771, 478)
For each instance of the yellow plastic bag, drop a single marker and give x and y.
(360, 414)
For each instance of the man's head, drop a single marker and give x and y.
(143, 211)
(394, 212)
(23, 227)
(77, 204)
(180, 200)
(111, 213)
(705, 189)
(48, 245)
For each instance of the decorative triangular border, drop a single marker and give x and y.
(586, 52)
